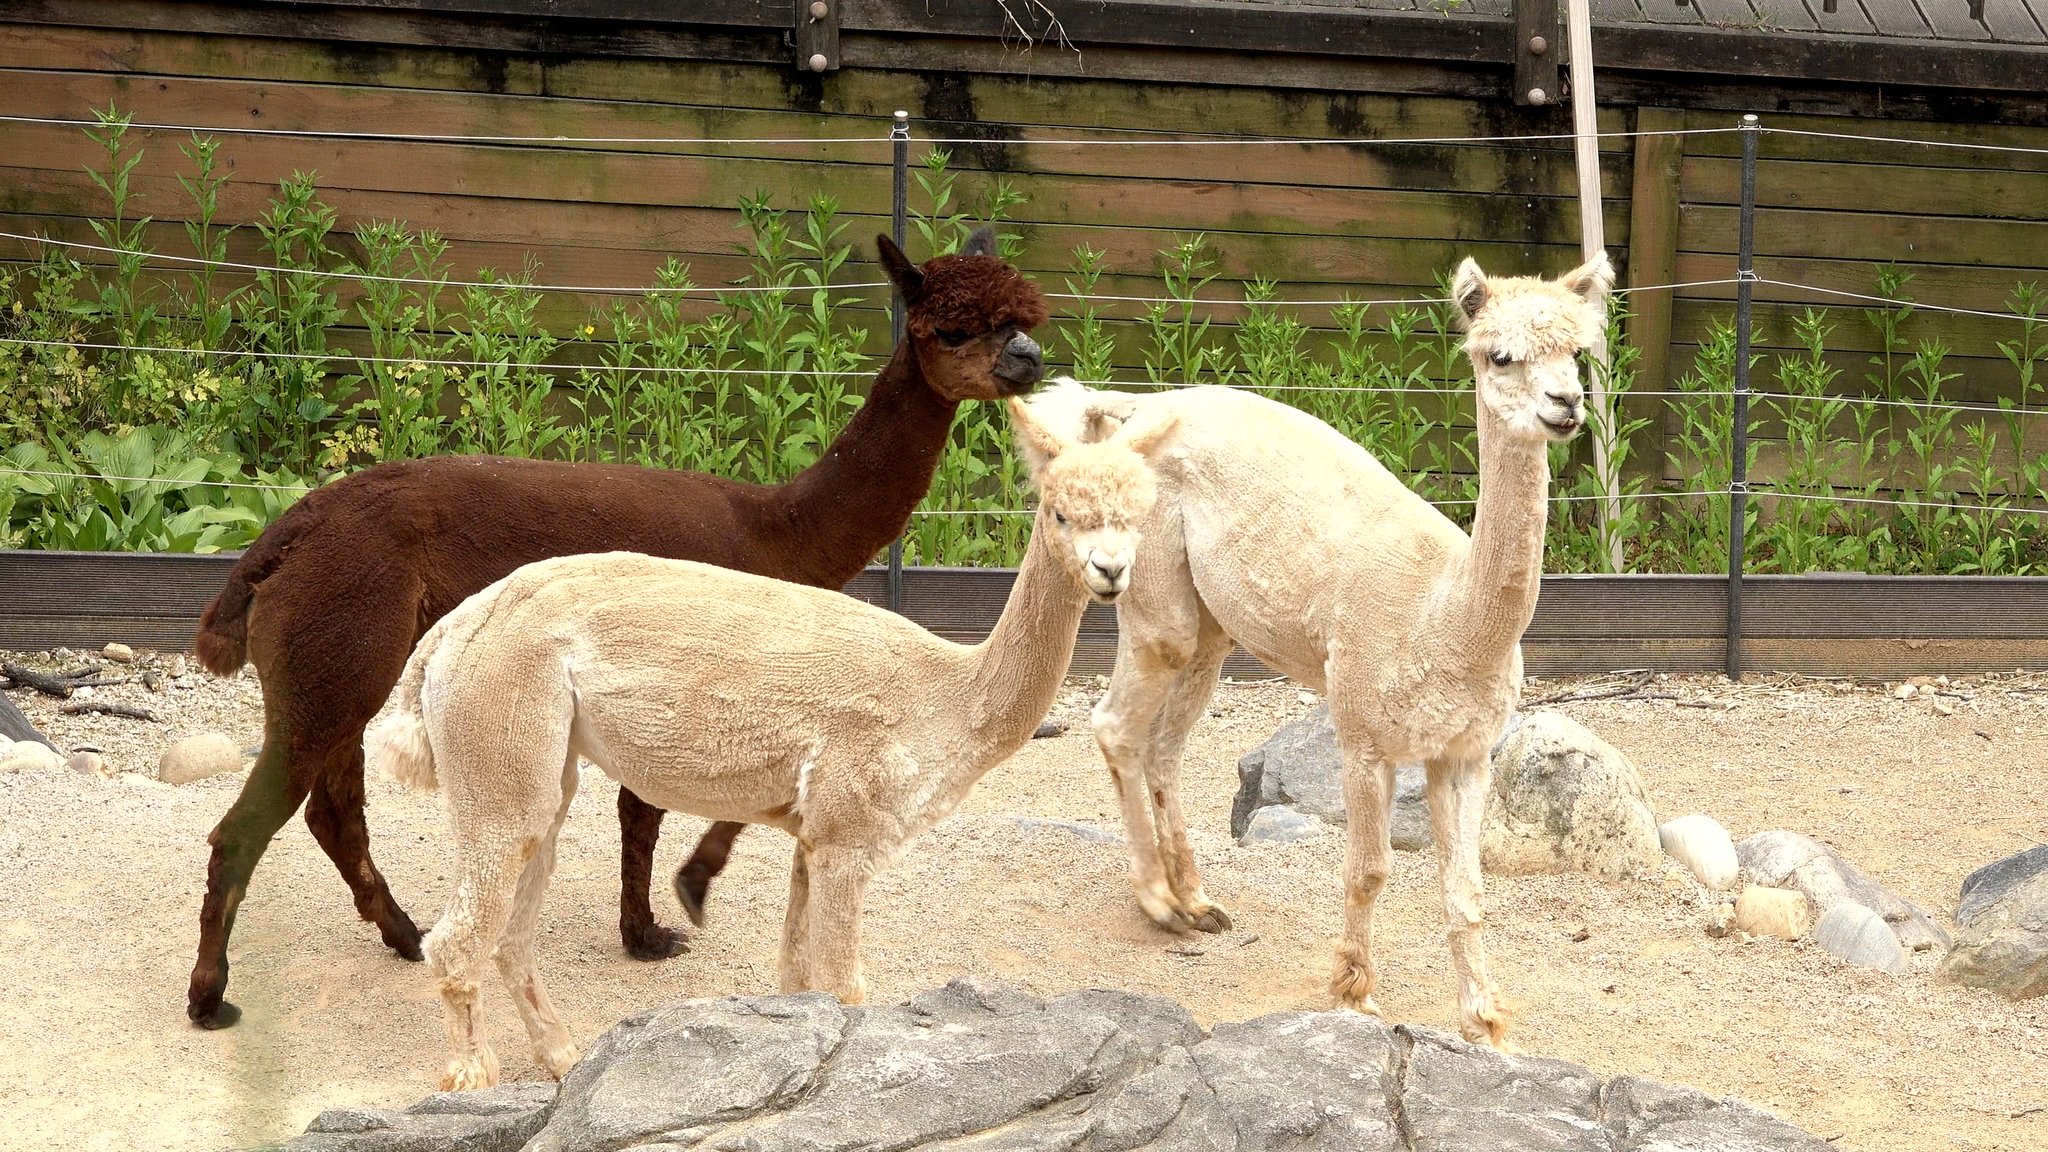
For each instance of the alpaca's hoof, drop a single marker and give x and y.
(469, 1073)
(220, 1014)
(1213, 919)
(653, 942)
(557, 1058)
(403, 938)
(1489, 1026)
(1367, 1006)
(690, 894)
(1160, 908)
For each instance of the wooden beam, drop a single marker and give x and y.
(1653, 259)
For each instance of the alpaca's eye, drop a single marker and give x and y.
(1501, 359)
(952, 337)
(1059, 518)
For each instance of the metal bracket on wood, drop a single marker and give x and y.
(817, 35)
(1539, 52)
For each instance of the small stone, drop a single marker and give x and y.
(198, 757)
(1279, 824)
(152, 679)
(89, 764)
(1721, 920)
(1704, 847)
(1944, 708)
(119, 653)
(1860, 936)
(85, 693)
(1050, 729)
(1777, 912)
(1905, 691)
(30, 756)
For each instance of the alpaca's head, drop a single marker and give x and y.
(1524, 335)
(968, 321)
(1093, 496)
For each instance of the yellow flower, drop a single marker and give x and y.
(588, 329)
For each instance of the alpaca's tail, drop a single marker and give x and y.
(398, 745)
(223, 640)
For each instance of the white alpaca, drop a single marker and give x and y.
(1275, 531)
(734, 697)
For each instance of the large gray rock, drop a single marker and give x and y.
(984, 1067)
(1986, 885)
(1279, 824)
(1781, 859)
(1298, 766)
(501, 1118)
(2004, 946)
(1564, 800)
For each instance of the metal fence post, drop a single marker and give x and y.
(899, 199)
(1738, 467)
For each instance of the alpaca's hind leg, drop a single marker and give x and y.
(795, 976)
(831, 946)
(334, 814)
(1185, 703)
(490, 863)
(553, 1047)
(707, 860)
(1457, 808)
(1368, 855)
(273, 792)
(639, 828)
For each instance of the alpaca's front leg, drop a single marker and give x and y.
(1185, 703)
(831, 950)
(1368, 856)
(1123, 722)
(794, 976)
(1457, 808)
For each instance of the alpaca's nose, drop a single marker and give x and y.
(1568, 395)
(1021, 361)
(1111, 567)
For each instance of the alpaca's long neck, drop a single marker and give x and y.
(1489, 597)
(1014, 676)
(859, 494)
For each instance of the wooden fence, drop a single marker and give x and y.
(1323, 219)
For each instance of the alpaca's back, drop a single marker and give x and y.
(1284, 524)
(701, 689)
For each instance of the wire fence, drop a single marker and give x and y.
(1248, 297)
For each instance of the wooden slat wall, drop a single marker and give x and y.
(1323, 220)
(1969, 223)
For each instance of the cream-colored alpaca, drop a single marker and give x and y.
(1274, 530)
(734, 697)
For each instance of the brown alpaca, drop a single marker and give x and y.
(329, 601)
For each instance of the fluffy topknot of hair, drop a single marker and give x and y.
(975, 294)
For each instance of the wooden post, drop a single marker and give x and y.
(1592, 241)
(1653, 259)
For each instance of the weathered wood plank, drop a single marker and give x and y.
(1896, 17)
(1965, 336)
(1866, 236)
(2003, 194)
(1857, 140)
(2009, 21)
(1893, 60)
(1951, 19)
(1956, 285)
(1848, 16)
(1726, 13)
(1682, 12)
(1790, 15)
(1652, 260)
(1544, 171)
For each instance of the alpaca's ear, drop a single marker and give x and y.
(1099, 424)
(1589, 281)
(902, 272)
(1039, 443)
(1468, 288)
(1147, 435)
(981, 242)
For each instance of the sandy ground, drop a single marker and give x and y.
(100, 884)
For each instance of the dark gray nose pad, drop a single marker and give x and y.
(1024, 348)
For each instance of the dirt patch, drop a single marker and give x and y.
(102, 880)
